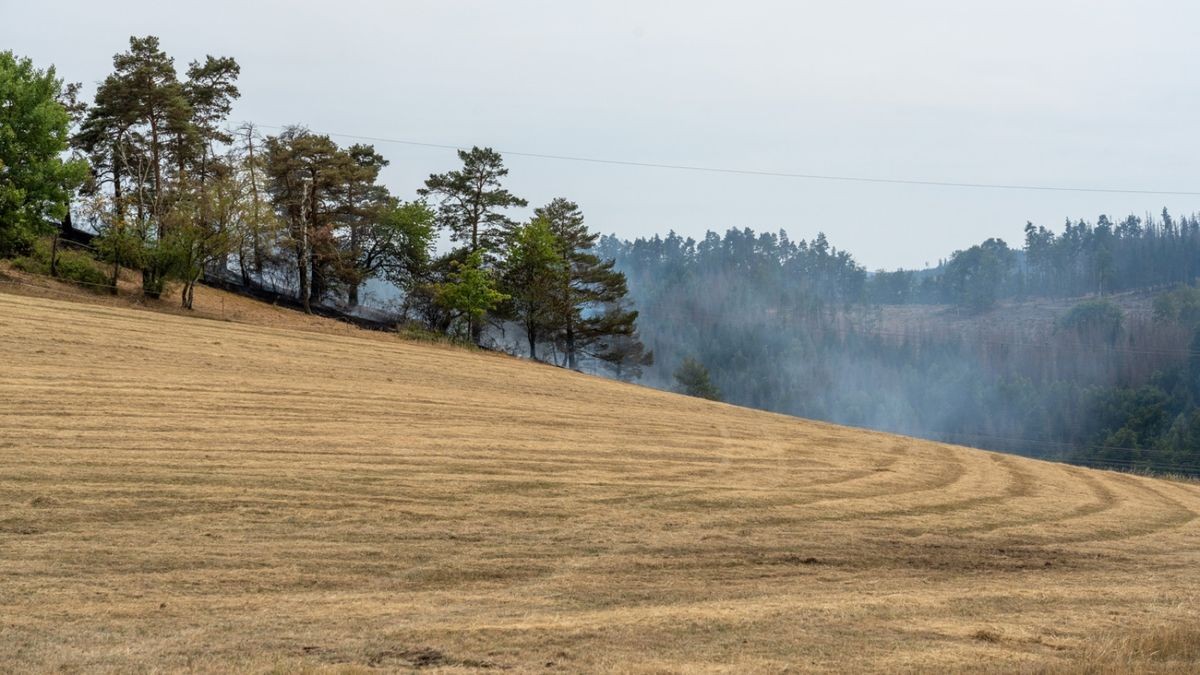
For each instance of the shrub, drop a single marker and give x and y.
(81, 268)
(14, 242)
(72, 265)
(31, 265)
(692, 379)
(36, 258)
(1095, 319)
(1181, 305)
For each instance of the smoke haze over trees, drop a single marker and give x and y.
(950, 352)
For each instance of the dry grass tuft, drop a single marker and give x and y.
(1166, 649)
(985, 635)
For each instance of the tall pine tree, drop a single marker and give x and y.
(589, 313)
(471, 201)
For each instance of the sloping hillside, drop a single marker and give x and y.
(191, 494)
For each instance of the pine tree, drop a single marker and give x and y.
(626, 356)
(210, 91)
(147, 133)
(692, 379)
(589, 312)
(303, 171)
(363, 202)
(259, 225)
(470, 201)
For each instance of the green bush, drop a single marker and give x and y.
(81, 268)
(1180, 305)
(31, 265)
(35, 258)
(416, 332)
(1095, 319)
(14, 242)
(73, 265)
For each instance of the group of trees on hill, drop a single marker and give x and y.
(327, 224)
(541, 274)
(161, 194)
(174, 192)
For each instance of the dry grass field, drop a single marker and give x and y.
(188, 494)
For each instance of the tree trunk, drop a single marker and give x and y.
(302, 271)
(188, 293)
(150, 287)
(570, 346)
(317, 287)
(154, 154)
(302, 251)
(256, 224)
(118, 203)
(476, 214)
(531, 333)
(355, 252)
(54, 256)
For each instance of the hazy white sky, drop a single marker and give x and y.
(1090, 94)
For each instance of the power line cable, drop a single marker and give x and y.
(765, 173)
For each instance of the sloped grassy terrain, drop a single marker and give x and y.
(190, 494)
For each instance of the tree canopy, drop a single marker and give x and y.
(36, 182)
(692, 379)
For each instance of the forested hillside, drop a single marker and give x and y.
(799, 327)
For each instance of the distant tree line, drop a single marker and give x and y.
(1085, 258)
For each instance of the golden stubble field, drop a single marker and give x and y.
(183, 494)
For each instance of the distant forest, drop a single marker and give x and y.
(1137, 253)
(799, 327)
